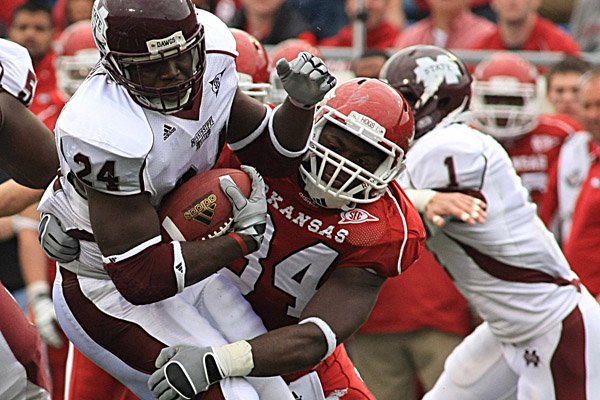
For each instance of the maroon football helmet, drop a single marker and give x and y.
(434, 81)
(136, 37)
(378, 115)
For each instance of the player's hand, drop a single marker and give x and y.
(249, 214)
(458, 205)
(56, 243)
(38, 294)
(306, 79)
(183, 372)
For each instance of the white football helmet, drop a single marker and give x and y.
(505, 96)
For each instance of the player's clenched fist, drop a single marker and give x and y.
(306, 79)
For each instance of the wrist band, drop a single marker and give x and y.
(420, 197)
(239, 241)
(235, 359)
(327, 332)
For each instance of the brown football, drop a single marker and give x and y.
(198, 209)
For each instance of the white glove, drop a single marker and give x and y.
(183, 372)
(56, 243)
(306, 79)
(38, 294)
(249, 214)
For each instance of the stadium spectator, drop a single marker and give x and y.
(585, 24)
(381, 34)
(562, 85)
(325, 17)
(67, 12)
(369, 63)
(519, 27)
(505, 104)
(32, 28)
(272, 21)
(420, 8)
(450, 24)
(573, 196)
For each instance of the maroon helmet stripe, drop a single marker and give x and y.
(113, 334)
(511, 273)
(568, 362)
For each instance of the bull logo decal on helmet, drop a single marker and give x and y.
(432, 73)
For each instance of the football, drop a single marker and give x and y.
(198, 209)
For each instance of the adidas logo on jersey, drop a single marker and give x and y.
(179, 268)
(168, 130)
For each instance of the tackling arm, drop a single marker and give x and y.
(296, 347)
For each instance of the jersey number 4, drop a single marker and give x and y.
(297, 275)
(105, 174)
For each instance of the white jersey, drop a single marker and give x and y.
(509, 268)
(16, 71)
(114, 145)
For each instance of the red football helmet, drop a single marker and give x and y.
(505, 96)
(76, 56)
(252, 65)
(288, 49)
(137, 36)
(380, 117)
(434, 81)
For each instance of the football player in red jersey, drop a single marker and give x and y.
(505, 105)
(335, 232)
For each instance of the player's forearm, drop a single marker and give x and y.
(292, 126)
(203, 258)
(288, 349)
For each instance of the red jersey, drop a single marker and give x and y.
(382, 37)
(407, 304)
(545, 36)
(533, 154)
(581, 247)
(304, 243)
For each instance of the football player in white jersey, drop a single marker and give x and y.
(156, 111)
(28, 154)
(539, 339)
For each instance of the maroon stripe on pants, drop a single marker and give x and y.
(568, 362)
(126, 340)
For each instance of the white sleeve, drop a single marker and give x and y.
(16, 71)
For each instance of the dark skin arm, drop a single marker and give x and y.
(27, 150)
(122, 222)
(292, 124)
(344, 301)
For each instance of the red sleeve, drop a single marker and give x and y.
(549, 200)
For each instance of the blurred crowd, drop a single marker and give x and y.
(508, 96)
